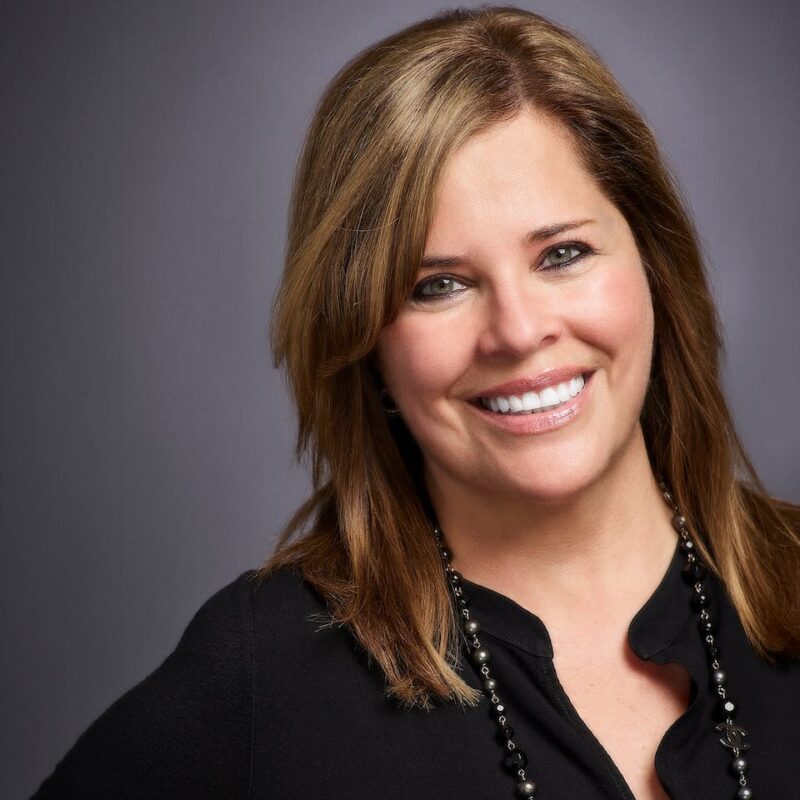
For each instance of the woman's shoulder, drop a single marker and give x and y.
(284, 589)
(279, 599)
(191, 718)
(289, 615)
(275, 612)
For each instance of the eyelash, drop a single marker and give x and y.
(583, 248)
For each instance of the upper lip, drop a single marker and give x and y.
(533, 383)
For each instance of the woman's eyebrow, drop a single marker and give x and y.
(540, 234)
(537, 235)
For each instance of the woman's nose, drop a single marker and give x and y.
(518, 319)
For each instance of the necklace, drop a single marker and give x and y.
(732, 736)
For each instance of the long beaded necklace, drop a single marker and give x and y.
(732, 736)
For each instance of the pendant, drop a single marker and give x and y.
(732, 736)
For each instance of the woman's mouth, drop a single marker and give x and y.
(548, 398)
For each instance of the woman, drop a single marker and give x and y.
(537, 560)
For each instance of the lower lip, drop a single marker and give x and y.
(539, 421)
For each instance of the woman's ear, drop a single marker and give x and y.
(385, 399)
(374, 368)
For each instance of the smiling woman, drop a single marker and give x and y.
(543, 563)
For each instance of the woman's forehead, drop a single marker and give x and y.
(514, 180)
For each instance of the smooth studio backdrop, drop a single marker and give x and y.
(148, 150)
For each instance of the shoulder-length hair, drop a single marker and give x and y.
(360, 211)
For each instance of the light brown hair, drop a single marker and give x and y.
(360, 210)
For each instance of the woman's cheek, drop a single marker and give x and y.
(424, 355)
(616, 310)
(409, 356)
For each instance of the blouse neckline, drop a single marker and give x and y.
(660, 623)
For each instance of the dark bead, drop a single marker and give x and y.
(744, 793)
(455, 577)
(463, 600)
(705, 626)
(718, 677)
(694, 572)
(471, 627)
(490, 684)
(506, 731)
(725, 709)
(445, 553)
(515, 760)
(713, 651)
(679, 522)
(739, 766)
(687, 546)
(480, 656)
(700, 600)
(526, 789)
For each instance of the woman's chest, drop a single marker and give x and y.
(325, 727)
(627, 705)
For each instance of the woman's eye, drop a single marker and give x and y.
(437, 287)
(560, 255)
(440, 287)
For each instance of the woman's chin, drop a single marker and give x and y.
(554, 489)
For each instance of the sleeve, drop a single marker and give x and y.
(185, 731)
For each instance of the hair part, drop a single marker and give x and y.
(361, 206)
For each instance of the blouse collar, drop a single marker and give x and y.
(662, 621)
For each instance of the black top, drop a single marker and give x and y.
(259, 700)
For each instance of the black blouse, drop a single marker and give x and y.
(260, 700)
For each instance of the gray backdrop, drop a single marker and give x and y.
(146, 440)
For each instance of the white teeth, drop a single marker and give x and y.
(549, 397)
(529, 402)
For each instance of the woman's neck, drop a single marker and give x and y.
(607, 548)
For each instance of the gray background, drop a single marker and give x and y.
(148, 153)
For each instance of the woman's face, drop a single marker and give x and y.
(510, 315)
